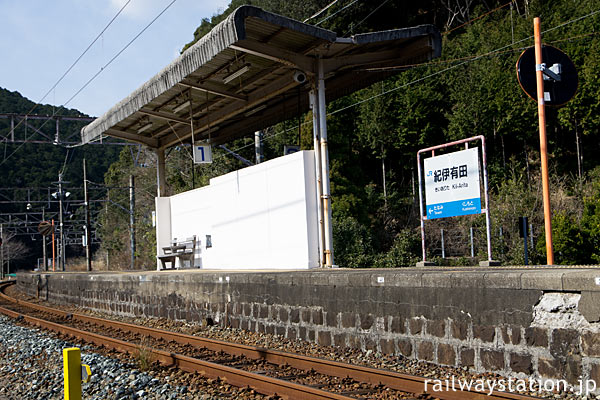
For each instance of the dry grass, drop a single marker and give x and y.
(143, 355)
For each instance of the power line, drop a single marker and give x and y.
(85, 51)
(474, 58)
(320, 11)
(120, 52)
(75, 62)
(365, 18)
(481, 16)
(470, 59)
(335, 13)
(98, 73)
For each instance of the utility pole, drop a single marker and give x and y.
(86, 202)
(1, 253)
(132, 219)
(61, 237)
(53, 247)
(61, 195)
(7, 260)
(45, 263)
(383, 174)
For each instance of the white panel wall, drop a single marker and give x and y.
(163, 224)
(264, 216)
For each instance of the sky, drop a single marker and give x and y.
(40, 39)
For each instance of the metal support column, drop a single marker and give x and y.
(317, 149)
(329, 260)
(44, 250)
(160, 173)
(2, 253)
(86, 203)
(472, 247)
(61, 235)
(132, 218)
(422, 215)
(57, 137)
(443, 247)
(193, 143)
(488, 219)
(53, 247)
(258, 147)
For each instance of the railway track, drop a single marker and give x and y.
(270, 372)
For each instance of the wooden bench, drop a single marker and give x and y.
(184, 251)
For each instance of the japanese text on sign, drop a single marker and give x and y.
(452, 184)
(442, 175)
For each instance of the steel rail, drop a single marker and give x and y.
(236, 377)
(394, 380)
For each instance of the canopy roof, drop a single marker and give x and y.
(240, 78)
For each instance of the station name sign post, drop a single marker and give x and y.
(452, 184)
(452, 187)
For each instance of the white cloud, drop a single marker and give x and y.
(144, 9)
(138, 9)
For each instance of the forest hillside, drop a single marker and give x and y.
(374, 136)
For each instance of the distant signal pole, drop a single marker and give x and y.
(550, 78)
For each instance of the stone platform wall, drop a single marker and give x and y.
(537, 323)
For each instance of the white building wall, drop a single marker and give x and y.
(163, 224)
(264, 216)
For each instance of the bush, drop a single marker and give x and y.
(404, 252)
(352, 243)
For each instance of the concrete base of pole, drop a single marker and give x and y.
(425, 264)
(489, 263)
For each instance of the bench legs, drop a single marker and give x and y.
(165, 260)
(173, 260)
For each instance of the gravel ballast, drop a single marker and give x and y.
(163, 383)
(31, 367)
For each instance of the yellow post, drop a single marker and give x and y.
(72, 367)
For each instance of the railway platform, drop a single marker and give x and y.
(539, 321)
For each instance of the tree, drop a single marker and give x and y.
(11, 250)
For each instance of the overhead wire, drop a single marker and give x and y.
(352, 27)
(336, 13)
(474, 58)
(478, 18)
(120, 52)
(95, 76)
(74, 63)
(320, 11)
(469, 59)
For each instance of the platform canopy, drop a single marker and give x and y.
(246, 75)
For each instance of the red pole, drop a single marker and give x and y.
(543, 142)
(53, 249)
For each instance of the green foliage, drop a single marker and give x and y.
(569, 240)
(352, 243)
(590, 221)
(37, 165)
(404, 251)
(471, 90)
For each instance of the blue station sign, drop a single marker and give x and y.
(452, 184)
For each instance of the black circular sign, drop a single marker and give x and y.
(45, 228)
(556, 93)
